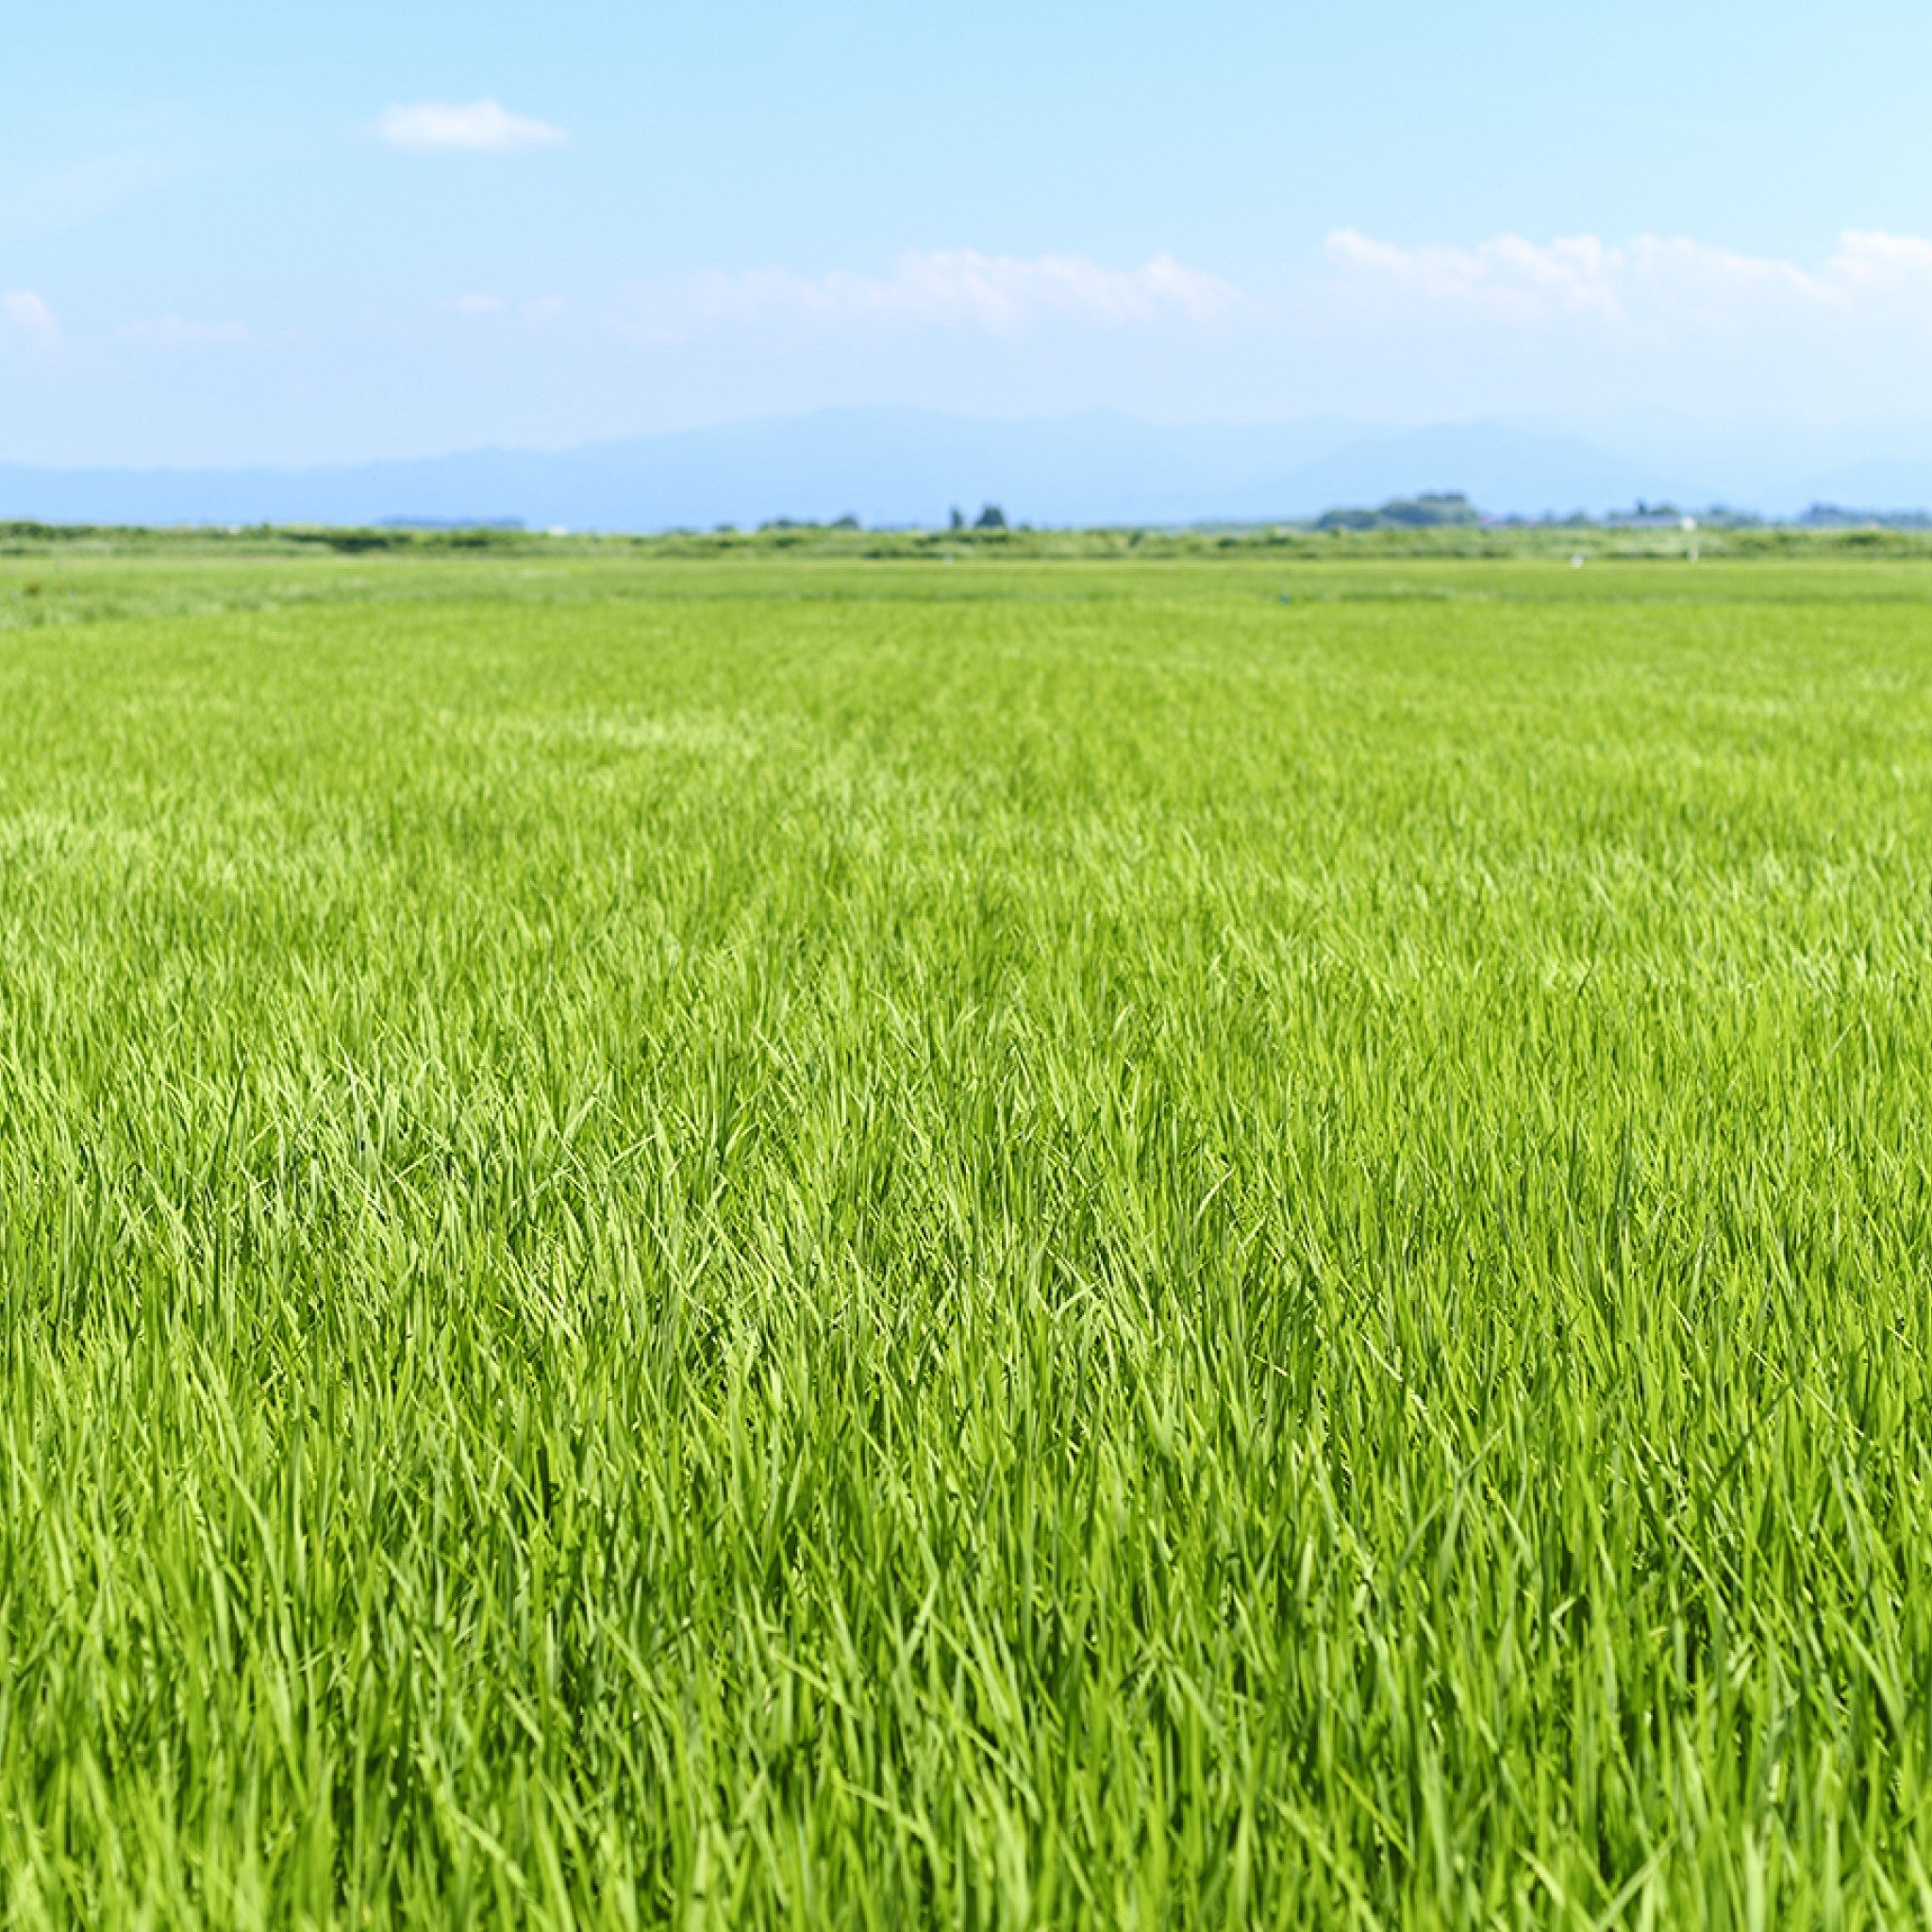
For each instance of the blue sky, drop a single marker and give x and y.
(236, 233)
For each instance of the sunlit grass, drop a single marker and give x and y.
(1056, 1244)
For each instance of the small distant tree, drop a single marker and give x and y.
(958, 519)
(992, 518)
(847, 521)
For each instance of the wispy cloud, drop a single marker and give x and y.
(26, 319)
(26, 322)
(537, 308)
(477, 128)
(49, 203)
(1649, 285)
(179, 332)
(946, 288)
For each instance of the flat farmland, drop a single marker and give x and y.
(816, 1241)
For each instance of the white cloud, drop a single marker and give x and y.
(1868, 261)
(481, 128)
(477, 305)
(946, 288)
(26, 318)
(1650, 286)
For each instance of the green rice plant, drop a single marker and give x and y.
(800, 1242)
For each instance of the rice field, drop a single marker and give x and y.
(810, 1242)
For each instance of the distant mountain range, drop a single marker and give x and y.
(910, 466)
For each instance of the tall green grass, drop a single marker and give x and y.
(818, 1244)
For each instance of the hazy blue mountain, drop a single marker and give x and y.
(894, 466)
(1879, 483)
(882, 465)
(1506, 470)
(1775, 466)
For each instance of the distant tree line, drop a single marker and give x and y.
(1432, 510)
